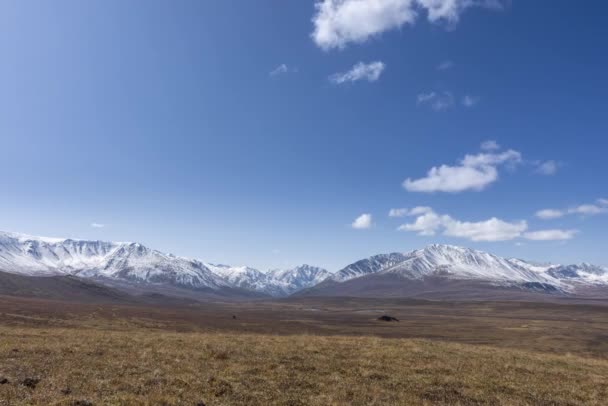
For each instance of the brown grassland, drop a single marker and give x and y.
(305, 352)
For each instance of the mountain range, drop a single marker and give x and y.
(437, 271)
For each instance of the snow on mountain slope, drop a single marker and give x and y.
(29, 255)
(368, 266)
(38, 256)
(298, 278)
(464, 263)
(533, 266)
(126, 261)
(468, 264)
(275, 282)
(242, 277)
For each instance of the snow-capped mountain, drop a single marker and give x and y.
(458, 263)
(39, 256)
(133, 262)
(242, 277)
(463, 263)
(298, 278)
(582, 273)
(275, 282)
(368, 266)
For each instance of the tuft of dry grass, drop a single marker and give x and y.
(147, 366)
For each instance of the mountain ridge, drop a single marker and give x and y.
(134, 263)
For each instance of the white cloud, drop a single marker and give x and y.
(490, 145)
(361, 71)
(409, 212)
(438, 101)
(420, 210)
(550, 235)
(450, 10)
(584, 209)
(340, 22)
(398, 212)
(547, 168)
(445, 65)
(429, 223)
(475, 172)
(425, 224)
(470, 101)
(97, 225)
(282, 69)
(588, 209)
(489, 230)
(548, 214)
(362, 222)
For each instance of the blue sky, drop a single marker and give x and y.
(259, 132)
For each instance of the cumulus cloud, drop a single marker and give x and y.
(547, 168)
(588, 209)
(584, 209)
(550, 235)
(428, 223)
(492, 229)
(340, 22)
(438, 101)
(97, 225)
(470, 101)
(362, 222)
(361, 71)
(474, 172)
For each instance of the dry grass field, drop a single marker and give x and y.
(322, 353)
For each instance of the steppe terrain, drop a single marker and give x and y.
(306, 351)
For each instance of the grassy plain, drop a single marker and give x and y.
(321, 352)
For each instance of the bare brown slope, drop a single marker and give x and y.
(436, 288)
(72, 288)
(59, 287)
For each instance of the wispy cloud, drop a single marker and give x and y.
(445, 65)
(547, 168)
(398, 212)
(550, 235)
(474, 172)
(340, 22)
(438, 101)
(403, 212)
(489, 145)
(362, 222)
(361, 71)
(97, 225)
(600, 207)
(547, 214)
(469, 100)
(282, 69)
